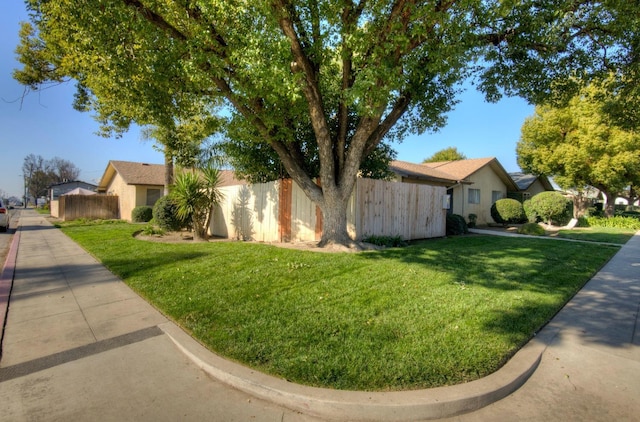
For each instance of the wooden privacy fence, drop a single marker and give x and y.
(281, 212)
(71, 207)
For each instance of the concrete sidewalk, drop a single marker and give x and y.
(80, 344)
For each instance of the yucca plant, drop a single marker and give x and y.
(196, 192)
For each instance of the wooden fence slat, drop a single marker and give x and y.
(72, 207)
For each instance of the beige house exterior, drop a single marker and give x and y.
(135, 184)
(473, 185)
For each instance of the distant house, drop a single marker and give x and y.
(138, 184)
(62, 188)
(135, 184)
(473, 185)
(529, 185)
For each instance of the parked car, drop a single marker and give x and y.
(4, 217)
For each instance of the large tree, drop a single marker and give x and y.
(579, 146)
(447, 154)
(355, 72)
(40, 174)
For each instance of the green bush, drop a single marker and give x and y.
(473, 218)
(456, 225)
(165, 214)
(532, 229)
(618, 222)
(507, 211)
(532, 216)
(142, 214)
(550, 206)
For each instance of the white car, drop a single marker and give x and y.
(4, 217)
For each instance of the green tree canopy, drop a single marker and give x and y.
(578, 146)
(447, 154)
(356, 72)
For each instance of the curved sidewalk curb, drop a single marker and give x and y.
(6, 282)
(424, 404)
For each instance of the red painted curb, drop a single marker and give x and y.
(6, 281)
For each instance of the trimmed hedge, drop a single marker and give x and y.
(456, 225)
(508, 211)
(142, 214)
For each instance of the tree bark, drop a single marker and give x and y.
(334, 221)
(609, 206)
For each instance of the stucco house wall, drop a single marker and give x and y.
(490, 188)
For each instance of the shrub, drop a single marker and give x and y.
(532, 229)
(550, 206)
(165, 214)
(142, 214)
(456, 225)
(151, 230)
(507, 211)
(618, 222)
(532, 216)
(472, 220)
(388, 241)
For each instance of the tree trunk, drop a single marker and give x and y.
(580, 205)
(334, 221)
(609, 205)
(168, 171)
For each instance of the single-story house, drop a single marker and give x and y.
(473, 185)
(137, 184)
(529, 185)
(61, 188)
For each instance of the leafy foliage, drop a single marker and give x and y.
(353, 75)
(618, 222)
(195, 193)
(550, 206)
(529, 212)
(142, 214)
(578, 146)
(507, 211)
(165, 214)
(447, 154)
(456, 225)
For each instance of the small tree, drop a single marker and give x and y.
(549, 205)
(195, 194)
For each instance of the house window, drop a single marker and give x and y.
(474, 196)
(152, 196)
(495, 195)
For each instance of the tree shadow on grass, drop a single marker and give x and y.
(553, 271)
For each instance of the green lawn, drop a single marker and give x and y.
(598, 234)
(439, 312)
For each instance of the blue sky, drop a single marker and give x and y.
(44, 123)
